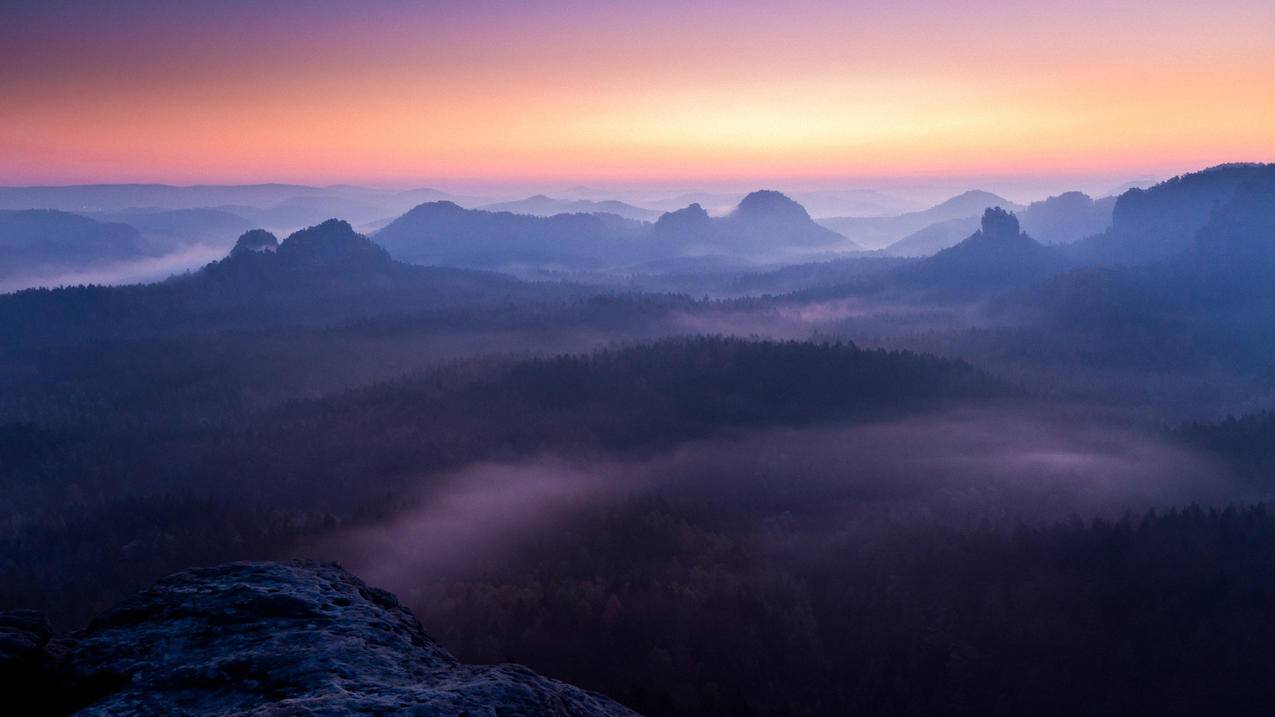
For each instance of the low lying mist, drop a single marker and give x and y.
(149, 269)
(793, 487)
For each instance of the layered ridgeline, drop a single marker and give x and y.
(765, 226)
(881, 232)
(170, 229)
(1210, 302)
(321, 275)
(1061, 219)
(1148, 225)
(997, 258)
(543, 206)
(279, 207)
(47, 241)
(265, 638)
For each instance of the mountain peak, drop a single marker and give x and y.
(998, 224)
(688, 223)
(970, 202)
(255, 240)
(442, 206)
(689, 212)
(768, 202)
(333, 242)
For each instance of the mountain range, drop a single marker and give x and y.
(47, 240)
(324, 274)
(1156, 223)
(1061, 219)
(764, 226)
(881, 232)
(543, 206)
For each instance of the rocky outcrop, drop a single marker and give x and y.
(270, 639)
(255, 240)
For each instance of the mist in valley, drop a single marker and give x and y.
(960, 468)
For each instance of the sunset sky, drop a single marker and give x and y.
(404, 92)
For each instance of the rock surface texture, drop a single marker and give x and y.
(296, 638)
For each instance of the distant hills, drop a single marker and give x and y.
(765, 225)
(1140, 225)
(168, 229)
(1061, 219)
(1067, 217)
(47, 240)
(997, 257)
(1213, 298)
(280, 207)
(1156, 223)
(321, 275)
(542, 206)
(765, 230)
(881, 232)
(107, 197)
(820, 203)
(445, 234)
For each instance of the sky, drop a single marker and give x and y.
(390, 92)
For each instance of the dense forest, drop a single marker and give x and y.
(1021, 475)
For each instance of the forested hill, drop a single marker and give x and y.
(322, 275)
(373, 449)
(640, 397)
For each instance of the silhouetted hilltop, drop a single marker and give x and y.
(331, 252)
(255, 240)
(321, 275)
(332, 244)
(996, 258)
(764, 225)
(769, 223)
(443, 233)
(973, 201)
(1213, 299)
(769, 205)
(690, 222)
(1067, 217)
(1061, 219)
(1235, 251)
(1152, 224)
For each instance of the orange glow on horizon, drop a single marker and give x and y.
(816, 96)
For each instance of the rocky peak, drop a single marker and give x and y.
(276, 638)
(255, 240)
(998, 224)
(689, 219)
(332, 243)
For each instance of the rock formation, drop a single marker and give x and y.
(265, 638)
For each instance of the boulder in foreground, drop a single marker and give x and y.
(280, 639)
